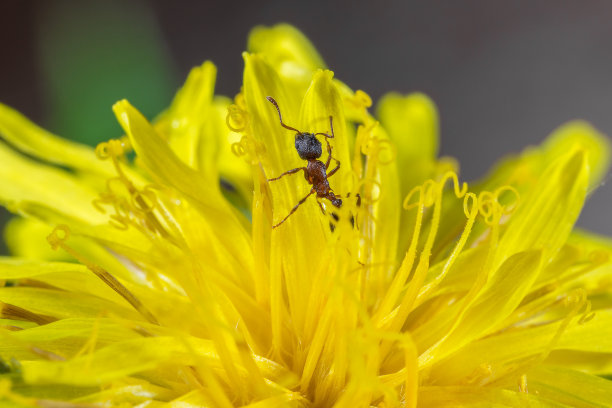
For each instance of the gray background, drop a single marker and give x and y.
(504, 74)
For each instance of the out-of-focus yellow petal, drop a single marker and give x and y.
(523, 172)
(37, 142)
(63, 275)
(412, 123)
(25, 238)
(168, 170)
(495, 356)
(130, 356)
(119, 359)
(587, 362)
(24, 180)
(158, 158)
(182, 123)
(573, 388)
(261, 81)
(232, 169)
(173, 309)
(66, 338)
(289, 52)
(380, 211)
(579, 134)
(502, 294)
(127, 391)
(196, 129)
(547, 214)
(63, 305)
(590, 240)
(594, 335)
(480, 397)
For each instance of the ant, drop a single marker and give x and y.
(315, 172)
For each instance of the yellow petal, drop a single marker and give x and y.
(118, 360)
(582, 135)
(493, 357)
(24, 180)
(62, 275)
(157, 157)
(570, 387)
(26, 238)
(183, 122)
(547, 214)
(66, 338)
(502, 294)
(233, 169)
(289, 52)
(261, 81)
(35, 141)
(171, 308)
(63, 304)
(480, 397)
(196, 129)
(168, 170)
(412, 123)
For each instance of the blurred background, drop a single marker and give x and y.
(503, 74)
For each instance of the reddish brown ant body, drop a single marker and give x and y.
(309, 148)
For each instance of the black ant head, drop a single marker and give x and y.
(336, 202)
(308, 146)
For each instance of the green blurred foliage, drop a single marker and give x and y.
(93, 54)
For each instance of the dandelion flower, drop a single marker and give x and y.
(163, 284)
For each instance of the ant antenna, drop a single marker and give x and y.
(279, 114)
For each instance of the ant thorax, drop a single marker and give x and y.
(308, 146)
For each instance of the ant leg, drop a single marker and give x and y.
(294, 208)
(273, 102)
(331, 173)
(292, 171)
(331, 126)
(329, 148)
(329, 155)
(329, 159)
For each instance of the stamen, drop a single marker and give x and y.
(363, 98)
(57, 239)
(470, 208)
(133, 207)
(375, 147)
(237, 119)
(359, 103)
(429, 194)
(248, 148)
